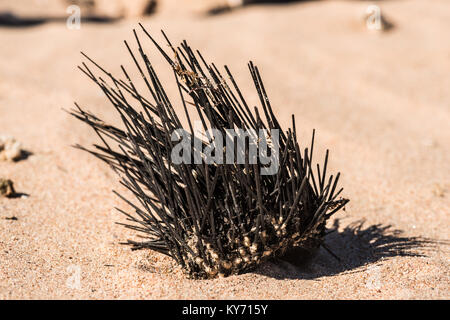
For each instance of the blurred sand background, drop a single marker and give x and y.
(379, 101)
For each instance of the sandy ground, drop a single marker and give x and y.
(379, 102)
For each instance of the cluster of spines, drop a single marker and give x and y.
(216, 219)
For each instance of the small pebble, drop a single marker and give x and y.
(6, 188)
(10, 149)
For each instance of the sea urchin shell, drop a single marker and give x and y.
(214, 219)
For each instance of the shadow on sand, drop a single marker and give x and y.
(10, 20)
(224, 8)
(356, 246)
(245, 3)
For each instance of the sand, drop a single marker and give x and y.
(379, 101)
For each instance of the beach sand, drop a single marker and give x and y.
(379, 101)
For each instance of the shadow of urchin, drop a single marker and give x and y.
(357, 246)
(213, 219)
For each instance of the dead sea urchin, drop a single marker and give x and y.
(213, 218)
